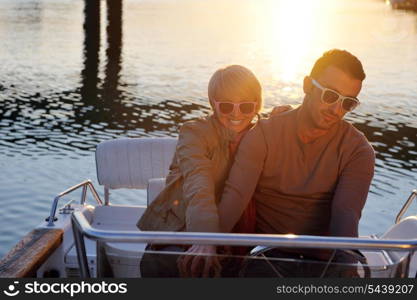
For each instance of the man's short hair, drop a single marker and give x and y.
(341, 59)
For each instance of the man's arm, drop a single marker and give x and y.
(351, 193)
(243, 178)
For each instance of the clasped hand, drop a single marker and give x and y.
(199, 261)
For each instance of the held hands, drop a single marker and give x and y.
(199, 261)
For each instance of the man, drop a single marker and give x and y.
(307, 170)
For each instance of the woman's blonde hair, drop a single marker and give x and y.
(235, 80)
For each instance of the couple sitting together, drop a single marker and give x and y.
(303, 171)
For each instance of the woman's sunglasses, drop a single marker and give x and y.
(226, 108)
(329, 96)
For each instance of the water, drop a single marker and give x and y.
(65, 87)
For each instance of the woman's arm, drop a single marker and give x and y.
(199, 195)
(198, 187)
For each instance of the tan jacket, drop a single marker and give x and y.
(195, 181)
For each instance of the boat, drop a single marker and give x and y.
(100, 239)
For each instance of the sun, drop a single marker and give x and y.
(291, 33)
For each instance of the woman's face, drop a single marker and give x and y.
(238, 117)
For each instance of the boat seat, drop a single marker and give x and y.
(123, 258)
(405, 229)
(155, 186)
(386, 263)
(132, 162)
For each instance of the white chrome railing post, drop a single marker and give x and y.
(406, 206)
(80, 248)
(84, 184)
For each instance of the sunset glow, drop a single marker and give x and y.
(290, 36)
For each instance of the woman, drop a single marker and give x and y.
(200, 167)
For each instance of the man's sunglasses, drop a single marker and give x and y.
(245, 108)
(329, 96)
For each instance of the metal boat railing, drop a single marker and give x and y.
(82, 228)
(406, 206)
(86, 183)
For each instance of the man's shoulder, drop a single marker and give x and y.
(279, 119)
(348, 129)
(276, 125)
(353, 136)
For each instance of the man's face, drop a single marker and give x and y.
(326, 115)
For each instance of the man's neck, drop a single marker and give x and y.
(307, 131)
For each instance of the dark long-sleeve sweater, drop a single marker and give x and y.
(316, 188)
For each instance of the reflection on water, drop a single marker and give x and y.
(74, 73)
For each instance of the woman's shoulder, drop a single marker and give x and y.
(200, 129)
(205, 127)
(202, 123)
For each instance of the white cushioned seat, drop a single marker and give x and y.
(155, 186)
(390, 263)
(131, 162)
(405, 229)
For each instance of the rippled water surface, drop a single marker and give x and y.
(68, 82)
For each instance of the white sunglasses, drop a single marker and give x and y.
(330, 96)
